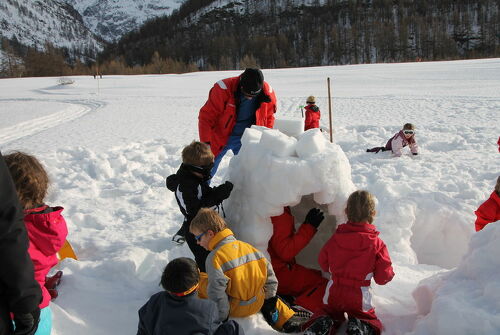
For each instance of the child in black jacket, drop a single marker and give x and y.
(178, 310)
(192, 192)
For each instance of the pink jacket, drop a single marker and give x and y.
(399, 141)
(47, 232)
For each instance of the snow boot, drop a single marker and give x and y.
(321, 326)
(53, 281)
(180, 236)
(295, 323)
(53, 293)
(358, 327)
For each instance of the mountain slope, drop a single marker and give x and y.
(112, 19)
(33, 23)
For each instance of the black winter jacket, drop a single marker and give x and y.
(168, 314)
(192, 193)
(19, 291)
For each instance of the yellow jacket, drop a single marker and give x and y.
(239, 276)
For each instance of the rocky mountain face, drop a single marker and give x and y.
(34, 23)
(111, 19)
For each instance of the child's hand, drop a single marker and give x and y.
(223, 191)
(314, 217)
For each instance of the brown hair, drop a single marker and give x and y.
(208, 219)
(197, 153)
(361, 207)
(409, 126)
(497, 186)
(30, 178)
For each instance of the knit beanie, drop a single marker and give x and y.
(311, 99)
(251, 81)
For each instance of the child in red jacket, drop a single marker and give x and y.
(353, 256)
(313, 114)
(305, 285)
(45, 225)
(489, 211)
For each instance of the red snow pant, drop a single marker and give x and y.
(306, 285)
(349, 296)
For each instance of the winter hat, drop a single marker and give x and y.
(180, 275)
(251, 81)
(311, 99)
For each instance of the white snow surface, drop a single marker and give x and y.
(109, 144)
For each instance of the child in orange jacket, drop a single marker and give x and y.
(489, 211)
(313, 114)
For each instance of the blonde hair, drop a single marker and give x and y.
(197, 153)
(497, 186)
(208, 219)
(409, 126)
(361, 207)
(30, 178)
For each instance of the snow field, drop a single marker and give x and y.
(108, 166)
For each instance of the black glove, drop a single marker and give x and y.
(269, 310)
(314, 217)
(415, 153)
(223, 191)
(27, 324)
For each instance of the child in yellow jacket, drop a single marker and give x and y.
(240, 278)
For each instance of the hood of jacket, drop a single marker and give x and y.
(46, 228)
(361, 235)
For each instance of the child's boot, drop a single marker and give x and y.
(323, 325)
(357, 327)
(53, 293)
(180, 236)
(54, 281)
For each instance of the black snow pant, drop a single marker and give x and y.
(200, 253)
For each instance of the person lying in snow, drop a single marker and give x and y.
(404, 137)
(489, 211)
(45, 225)
(192, 192)
(240, 279)
(178, 310)
(353, 256)
(305, 285)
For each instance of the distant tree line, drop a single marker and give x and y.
(338, 32)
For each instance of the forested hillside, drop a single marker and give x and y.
(232, 34)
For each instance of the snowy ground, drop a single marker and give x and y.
(108, 145)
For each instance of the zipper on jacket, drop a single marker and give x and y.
(227, 122)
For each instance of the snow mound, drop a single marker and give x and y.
(469, 296)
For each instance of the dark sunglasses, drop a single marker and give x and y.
(406, 132)
(198, 237)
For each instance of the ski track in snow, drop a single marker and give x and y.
(76, 109)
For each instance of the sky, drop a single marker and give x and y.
(108, 145)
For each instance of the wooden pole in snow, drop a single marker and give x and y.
(330, 109)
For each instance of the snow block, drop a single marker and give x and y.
(289, 126)
(310, 142)
(278, 143)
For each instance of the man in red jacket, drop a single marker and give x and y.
(306, 285)
(233, 105)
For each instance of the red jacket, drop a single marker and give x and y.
(285, 244)
(313, 115)
(47, 232)
(218, 116)
(488, 212)
(355, 254)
